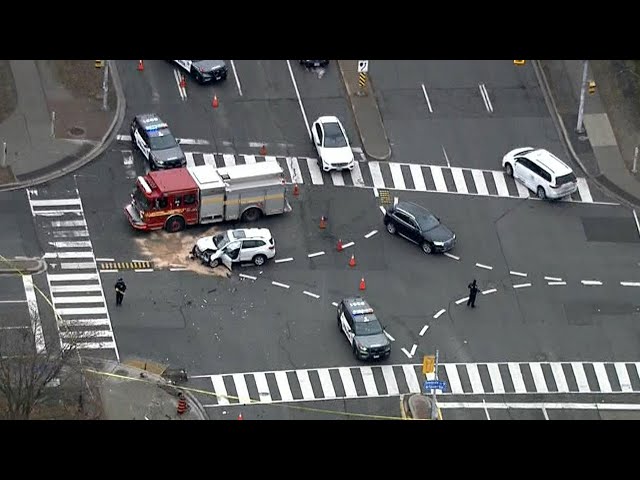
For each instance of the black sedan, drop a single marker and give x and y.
(420, 226)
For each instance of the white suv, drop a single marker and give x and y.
(234, 246)
(541, 172)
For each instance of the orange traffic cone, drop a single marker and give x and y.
(296, 190)
(323, 222)
(182, 404)
(140, 65)
(362, 284)
(214, 102)
(339, 245)
(352, 262)
(183, 82)
(240, 417)
(263, 150)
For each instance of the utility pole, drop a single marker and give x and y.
(583, 90)
(105, 85)
(434, 409)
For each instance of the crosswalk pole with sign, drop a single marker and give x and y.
(363, 69)
(434, 409)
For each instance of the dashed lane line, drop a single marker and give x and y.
(522, 285)
(517, 274)
(486, 267)
(314, 295)
(553, 279)
(440, 312)
(282, 285)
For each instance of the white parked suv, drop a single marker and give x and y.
(234, 246)
(541, 172)
(332, 144)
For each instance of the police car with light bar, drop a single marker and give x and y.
(357, 320)
(205, 71)
(153, 138)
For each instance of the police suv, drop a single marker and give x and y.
(205, 70)
(357, 320)
(154, 139)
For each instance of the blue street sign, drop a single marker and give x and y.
(435, 384)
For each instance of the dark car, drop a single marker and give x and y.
(205, 71)
(314, 63)
(357, 320)
(154, 139)
(420, 226)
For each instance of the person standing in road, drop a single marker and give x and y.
(120, 289)
(473, 291)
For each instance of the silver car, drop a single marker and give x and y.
(240, 245)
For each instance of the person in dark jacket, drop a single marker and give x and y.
(120, 289)
(473, 291)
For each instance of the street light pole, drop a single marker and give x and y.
(434, 411)
(105, 85)
(583, 89)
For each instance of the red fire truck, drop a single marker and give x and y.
(172, 199)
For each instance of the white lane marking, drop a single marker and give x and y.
(501, 184)
(375, 192)
(85, 322)
(376, 175)
(630, 284)
(446, 157)
(518, 274)
(438, 179)
(591, 282)
(193, 141)
(558, 376)
(316, 254)
(347, 382)
(109, 271)
(623, 376)
(295, 86)
(635, 216)
(458, 179)
(336, 178)
(455, 386)
(396, 176)
(386, 334)
(413, 349)
(70, 233)
(603, 378)
(84, 299)
(13, 301)
(581, 377)
(440, 312)
(390, 380)
(219, 389)
(189, 158)
(294, 170)
(80, 244)
(369, 381)
(182, 91)
(424, 330)
(242, 391)
(481, 184)
(418, 179)
(482, 265)
(543, 406)
(556, 283)
(326, 383)
(107, 259)
(395, 201)
(54, 203)
(522, 285)
(282, 260)
(281, 285)
(209, 159)
(34, 313)
(474, 378)
(406, 352)
(544, 413)
(143, 270)
(356, 176)
(486, 410)
(73, 255)
(538, 377)
(249, 159)
(426, 97)
(283, 386)
(56, 213)
(250, 277)
(134, 261)
(334, 304)
(553, 279)
(371, 234)
(68, 223)
(347, 245)
(263, 387)
(82, 311)
(382, 209)
(583, 190)
(311, 294)
(305, 384)
(495, 377)
(523, 192)
(516, 378)
(74, 288)
(314, 171)
(270, 158)
(462, 300)
(89, 346)
(450, 255)
(78, 266)
(59, 277)
(411, 378)
(257, 144)
(235, 74)
(491, 290)
(229, 159)
(485, 97)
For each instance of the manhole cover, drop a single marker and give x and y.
(76, 131)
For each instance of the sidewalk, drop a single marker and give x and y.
(81, 129)
(597, 150)
(366, 112)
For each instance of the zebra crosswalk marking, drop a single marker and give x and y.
(458, 179)
(241, 388)
(454, 379)
(189, 158)
(474, 378)
(496, 379)
(603, 379)
(294, 170)
(581, 377)
(376, 175)
(516, 377)
(481, 184)
(347, 382)
(538, 377)
(438, 178)
(396, 175)
(623, 376)
(326, 383)
(314, 171)
(228, 159)
(369, 382)
(558, 376)
(418, 179)
(412, 378)
(249, 159)
(209, 159)
(356, 175)
(220, 390)
(583, 189)
(305, 384)
(390, 380)
(263, 387)
(283, 386)
(523, 192)
(336, 178)
(501, 185)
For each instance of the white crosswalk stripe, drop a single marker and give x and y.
(82, 316)
(423, 177)
(393, 380)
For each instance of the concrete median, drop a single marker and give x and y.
(22, 266)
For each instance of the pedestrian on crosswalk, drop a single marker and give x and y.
(120, 289)
(473, 291)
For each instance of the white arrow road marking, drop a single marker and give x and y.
(406, 352)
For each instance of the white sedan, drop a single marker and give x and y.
(332, 144)
(235, 246)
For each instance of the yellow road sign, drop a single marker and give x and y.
(592, 87)
(519, 62)
(99, 63)
(428, 364)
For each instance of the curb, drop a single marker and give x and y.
(98, 149)
(344, 82)
(559, 123)
(19, 266)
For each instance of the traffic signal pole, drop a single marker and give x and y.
(434, 409)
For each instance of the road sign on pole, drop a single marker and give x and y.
(435, 385)
(428, 364)
(363, 66)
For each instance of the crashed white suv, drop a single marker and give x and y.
(234, 246)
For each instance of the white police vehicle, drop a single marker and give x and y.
(153, 138)
(358, 322)
(205, 71)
